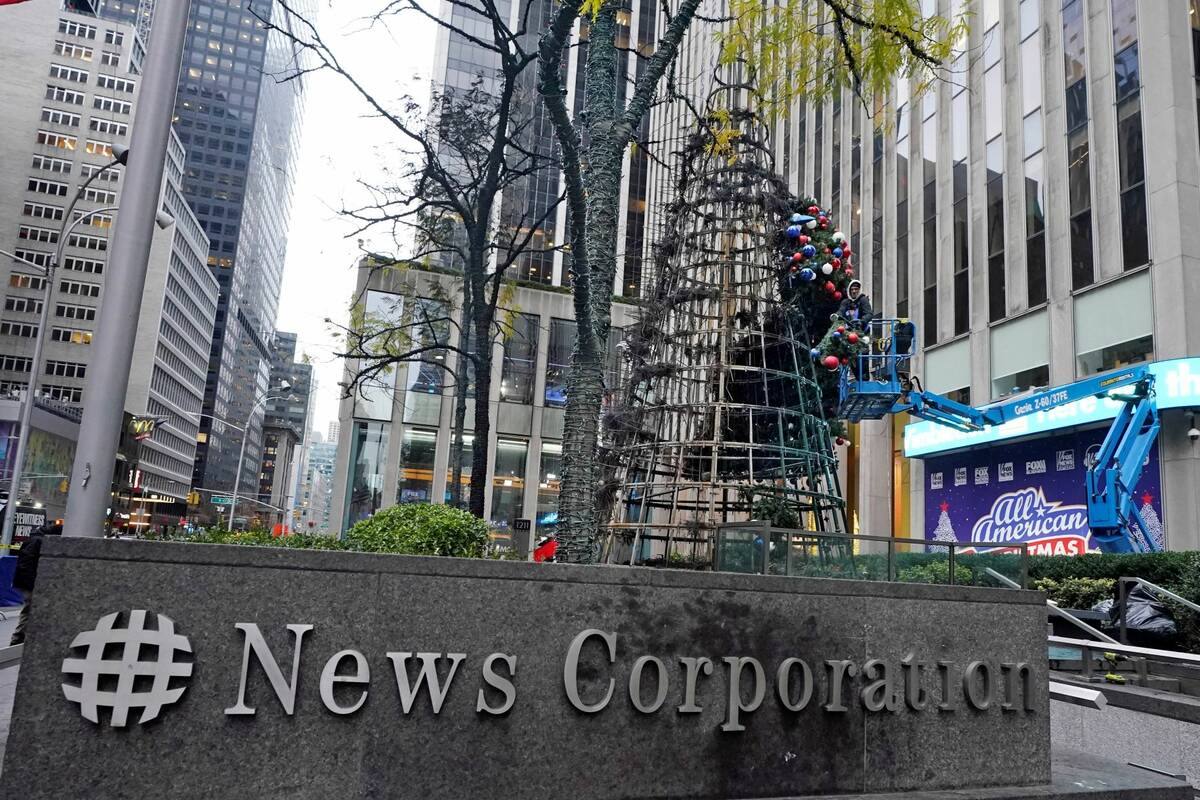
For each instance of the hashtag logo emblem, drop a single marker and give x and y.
(127, 668)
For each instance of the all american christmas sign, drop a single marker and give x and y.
(1029, 492)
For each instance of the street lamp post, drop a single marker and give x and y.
(120, 156)
(237, 476)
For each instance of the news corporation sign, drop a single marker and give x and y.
(266, 672)
(145, 664)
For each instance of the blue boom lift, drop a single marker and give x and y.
(881, 383)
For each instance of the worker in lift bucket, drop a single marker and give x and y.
(856, 306)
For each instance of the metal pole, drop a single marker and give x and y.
(24, 425)
(116, 330)
(237, 478)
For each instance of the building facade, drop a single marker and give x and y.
(1033, 214)
(70, 92)
(316, 489)
(395, 433)
(241, 129)
(286, 429)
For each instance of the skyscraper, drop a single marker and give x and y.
(241, 130)
(70, 91)
(286, 425)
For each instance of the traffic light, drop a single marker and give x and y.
(193, 498)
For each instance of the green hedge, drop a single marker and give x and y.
(412, 529)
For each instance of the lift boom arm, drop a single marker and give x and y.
(882, 387)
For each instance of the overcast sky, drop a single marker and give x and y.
(340, 144)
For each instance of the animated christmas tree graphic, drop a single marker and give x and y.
(944, 532)
(1153, 524)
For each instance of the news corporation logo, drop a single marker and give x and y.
(129, 667)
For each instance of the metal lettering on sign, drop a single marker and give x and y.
(158, 653)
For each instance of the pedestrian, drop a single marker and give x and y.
(856, 306)
(25, 574)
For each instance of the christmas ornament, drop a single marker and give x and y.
(836, 334)
(831, 362)
(797, 256)
(838, 237)
(841, 328)
(813, 210)
(852, 338)
(846, 250)
(837, 295)
(839, 441)
(809, 251)
(815, 353)
(804, 239)
(829, 287)
(827, 269)
(836, 262)
(837, 252)
(793, 231)
(849, 272)
(807, 274)
(796, 218)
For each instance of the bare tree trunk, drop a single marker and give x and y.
(484, 314)
(460, 405)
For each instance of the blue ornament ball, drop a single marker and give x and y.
(793, 231)
(807, 274)
(836, 335)
(815, 353)
(837, 252)
(809, 251)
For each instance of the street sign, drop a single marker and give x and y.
(220, 501)
(522, 538)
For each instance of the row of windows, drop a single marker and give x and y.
(111, 104)
(111, 175)
(79, 288)
(43, 211)
(63, 394)
(60, 94)
(66, 369)
(72, 50)
(44, 186)
(25, 330)
(32, 233)
(59, 140)
(52, 164)
(16, 363)
(68, 311)
(88, 265)
(69, 335)
(23, 305)
(101, 125)
(87, 242)
(56, 116)
(64, 73)
(33, 257)
(72, 28)
(116, 84)
(105, 197)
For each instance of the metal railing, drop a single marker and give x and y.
(760, 548)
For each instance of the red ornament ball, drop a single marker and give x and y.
(795, 268)
(849, 272)
(839, 441)
(830, 362)
(813, 209)
(836, 262)
(845, 359)
(852, 338)
(804, 239)
(845, 249)
(841, 329)
(824, 225)
(828, 251)
(837, 295)
(829, 287)
(797, 256)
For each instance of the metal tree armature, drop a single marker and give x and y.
(721, 420)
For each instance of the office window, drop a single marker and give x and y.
(23, 305)
(368, 455)
(1135, 244)
(99, 148)
(110, 59)
(18, 281)
(549, 483)
(417, 451)
(65, 73)
(68, 311)
(25, 330)
(56, 116)
(73, 28)
(16, 364)
(517, 374)
(997, 277)
(558, 361)
(508, 482)
(467, 455)
(43, 186)
(1035, 229)
(111, 104)
(71, 50)
(876, 285)
(32, 233)
(60, 94)
(37, 257)
(100, 125)
(929, 229)
(1114, 325)
(1078, 162)
(42, 211)
(902, 177)
(51, 164)
(430, 326)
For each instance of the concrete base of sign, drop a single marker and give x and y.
(308, 674)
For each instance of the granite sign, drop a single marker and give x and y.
(173, 670)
